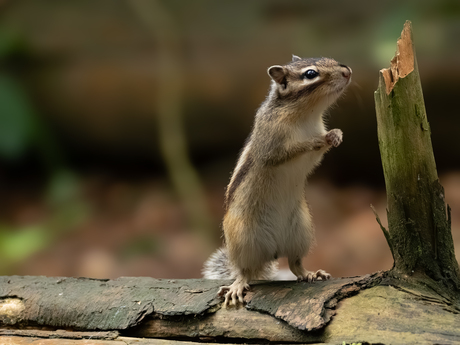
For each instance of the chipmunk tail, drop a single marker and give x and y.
(218, 266)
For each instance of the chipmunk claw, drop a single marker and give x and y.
(233, 293)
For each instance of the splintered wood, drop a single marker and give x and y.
(403, 62)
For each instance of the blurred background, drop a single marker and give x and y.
(121, 121)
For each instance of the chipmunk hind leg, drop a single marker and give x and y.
(303, 232)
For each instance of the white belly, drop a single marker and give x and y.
(283, 205)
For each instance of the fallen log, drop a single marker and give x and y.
(134, 308)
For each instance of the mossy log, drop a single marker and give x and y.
(71, 311)
(419, 232)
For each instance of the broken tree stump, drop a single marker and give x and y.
(419, 232)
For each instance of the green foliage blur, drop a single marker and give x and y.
(17, 116)
(22, 130)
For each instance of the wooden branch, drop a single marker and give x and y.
(386, 233)
(168, 107)
(419, 231)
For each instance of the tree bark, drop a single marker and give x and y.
(419, 232)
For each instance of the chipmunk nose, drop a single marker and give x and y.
(346, 72)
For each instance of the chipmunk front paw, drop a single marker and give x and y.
(334, 137)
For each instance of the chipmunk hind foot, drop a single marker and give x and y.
(302, 274)
(234, 292)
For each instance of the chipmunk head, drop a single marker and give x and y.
(312, 80)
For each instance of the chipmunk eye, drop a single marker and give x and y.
(310, 74)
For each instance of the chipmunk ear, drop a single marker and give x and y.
(278, 74)
(295, 58)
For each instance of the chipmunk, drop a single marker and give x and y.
(267, 215)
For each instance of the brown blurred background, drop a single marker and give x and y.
(120, 122)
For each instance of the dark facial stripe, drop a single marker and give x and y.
(306, 90)
(239, 177)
